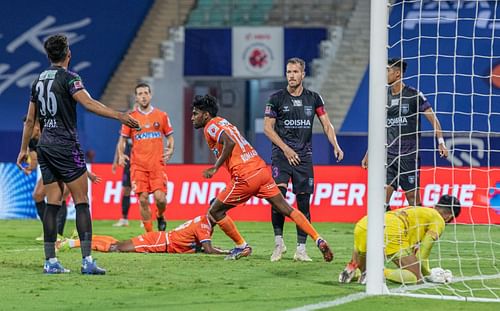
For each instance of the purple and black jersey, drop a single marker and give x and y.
(52, 92)
(294, 119)
(403, 121)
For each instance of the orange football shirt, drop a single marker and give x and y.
(147, 151)
(187, 238)
(244, 158)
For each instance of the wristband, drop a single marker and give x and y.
(441, 140)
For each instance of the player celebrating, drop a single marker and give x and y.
(249, 176)
(190, 237)
(404, 106)
(54, 95)
(288, 123)
(406, 230)
(147, 163)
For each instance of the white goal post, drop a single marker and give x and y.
(453, 53)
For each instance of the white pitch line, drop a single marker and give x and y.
(332, 303)
(23, 250)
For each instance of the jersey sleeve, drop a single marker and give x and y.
(213, 132)
(126, 131)
(203, 233)
(319, 105)
(167, 126)
(74, 83)
(423, 103)
(33, 94)
(271, 107)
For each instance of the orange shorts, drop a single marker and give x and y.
(149, 181)
(151, 242)
(260, 184)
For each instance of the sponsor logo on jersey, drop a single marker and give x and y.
(248, 155)
(308, 111)
(398, 121)
(394, 102)
(148, 135)
(268, 109)
(297, 123)
(78, 84)
(156, 125)
(297, 102)
(48, 75)
(405, 108)
(411, 179)
(147, 125)
(286, 109)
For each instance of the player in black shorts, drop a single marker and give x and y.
(404, 106)
(54, 95)
(126, 185)
(288, 123)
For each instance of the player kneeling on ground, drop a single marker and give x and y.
(409, 235)
(192, 236)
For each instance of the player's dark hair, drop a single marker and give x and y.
(397, 62)
(56, 47)
(142, 84)
(450, 202)
(297, 61)
(206, 103)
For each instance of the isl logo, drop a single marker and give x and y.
(258, 58)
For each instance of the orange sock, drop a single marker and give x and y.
(148, 225)
(304, 224)
(227, 225)
(102, 243)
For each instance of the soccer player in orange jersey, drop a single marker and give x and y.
(249, 177)
(192, 236)
(148, 158)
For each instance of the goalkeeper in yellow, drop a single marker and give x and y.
(409, 235)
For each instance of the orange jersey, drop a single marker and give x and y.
(147, 143)
(244, 158)
(187, 238)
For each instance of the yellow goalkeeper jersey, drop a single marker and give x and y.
(420, 220)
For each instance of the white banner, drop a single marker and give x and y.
(258, 52)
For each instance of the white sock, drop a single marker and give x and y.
(278, 240)
(301, 247)
(88, 258)
(53, 260)
(242, 245)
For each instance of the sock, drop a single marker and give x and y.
(229, 228)
(401, 276)
(50, 230)
(61, 218)
(84, 227)
(52, 260)
(277, 219)
(40, 209)
(303, 200)
(148, 225)
(125, 206)
(301, 247)
(88, 258)
(304, 224)
(278, 240)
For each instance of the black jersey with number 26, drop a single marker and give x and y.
(294, 118)
(52, 92)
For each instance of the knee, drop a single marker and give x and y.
(217, 212)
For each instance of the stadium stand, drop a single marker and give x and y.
(146, 45)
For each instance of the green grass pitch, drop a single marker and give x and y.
(202, 282)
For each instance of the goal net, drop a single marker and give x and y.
(452, 49)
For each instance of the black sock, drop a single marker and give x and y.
(61, 218)
(84, 227)
(50, 230)
(125, 206)
(40, 209)
(278, 219)
(303, 206)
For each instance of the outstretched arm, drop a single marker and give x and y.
(332, 137)
(209, 249)
(432, 118)
(98, 108)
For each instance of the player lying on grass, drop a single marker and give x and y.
(190, 237)
(409, 235)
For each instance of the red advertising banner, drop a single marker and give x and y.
(340, 193)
